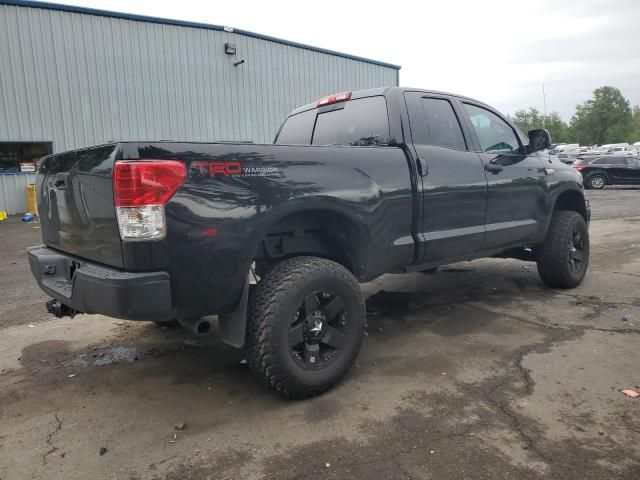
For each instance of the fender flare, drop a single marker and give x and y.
(232, 325)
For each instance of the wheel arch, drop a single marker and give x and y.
(574, 200)
(319, 230)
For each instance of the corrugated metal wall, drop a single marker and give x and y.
(78, 80)
(13, 192)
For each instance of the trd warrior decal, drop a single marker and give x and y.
(204, 169)
(211, 169)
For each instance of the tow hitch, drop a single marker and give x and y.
(59, 309)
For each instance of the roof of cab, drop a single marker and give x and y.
(371, 92)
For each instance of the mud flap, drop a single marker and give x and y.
(232, 326)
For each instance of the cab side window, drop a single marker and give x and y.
(494, 134)
(442, 124)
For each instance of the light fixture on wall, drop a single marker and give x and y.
(230, 48)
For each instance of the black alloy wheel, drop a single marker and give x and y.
(576, 250)
(317, 334)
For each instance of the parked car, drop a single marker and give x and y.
(615, 147)
(566, 152)
(609, 170)
(634, 150)
(275, 238)
(554, 148)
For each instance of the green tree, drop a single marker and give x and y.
(532, 119)
(528, 119)
(558, 129)
(606, 118)
(634, 131)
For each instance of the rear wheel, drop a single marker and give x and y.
(563, 258)
(305, 326)
(597, 181)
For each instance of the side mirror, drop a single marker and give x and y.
(539, 140)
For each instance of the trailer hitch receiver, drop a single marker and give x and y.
(59, 309)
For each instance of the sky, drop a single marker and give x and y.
(499, 51)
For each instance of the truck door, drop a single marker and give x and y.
(454, 186)
(518, 193)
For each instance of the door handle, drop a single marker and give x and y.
(423, 168)
(493, 168)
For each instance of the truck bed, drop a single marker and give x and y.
(219, 216)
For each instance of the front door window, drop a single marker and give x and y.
(494, 134)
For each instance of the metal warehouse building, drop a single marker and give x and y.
(72, 77)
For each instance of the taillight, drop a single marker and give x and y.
(331, 99)
(579, 167)
(140, 190)
(147, 182)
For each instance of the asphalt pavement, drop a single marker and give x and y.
(479, 371)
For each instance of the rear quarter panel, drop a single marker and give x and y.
(234, 193)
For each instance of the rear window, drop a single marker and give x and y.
(362, 121)
(297, 129)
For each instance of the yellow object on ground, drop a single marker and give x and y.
(3, 215)
(31, 199)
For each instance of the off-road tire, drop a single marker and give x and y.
(272, 307)
(553, 256)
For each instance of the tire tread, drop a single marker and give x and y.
(278, 287)
(552, 264)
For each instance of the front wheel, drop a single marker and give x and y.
(305, 326)
(563, 258)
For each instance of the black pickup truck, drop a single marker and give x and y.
(274, 239)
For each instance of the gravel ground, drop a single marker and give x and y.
(615, 202)
(477, 372)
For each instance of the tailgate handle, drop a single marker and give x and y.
(61, 180)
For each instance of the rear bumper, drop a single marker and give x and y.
(92, 288)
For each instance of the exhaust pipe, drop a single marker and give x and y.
(199, 326)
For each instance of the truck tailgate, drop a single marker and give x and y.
(76, 207)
